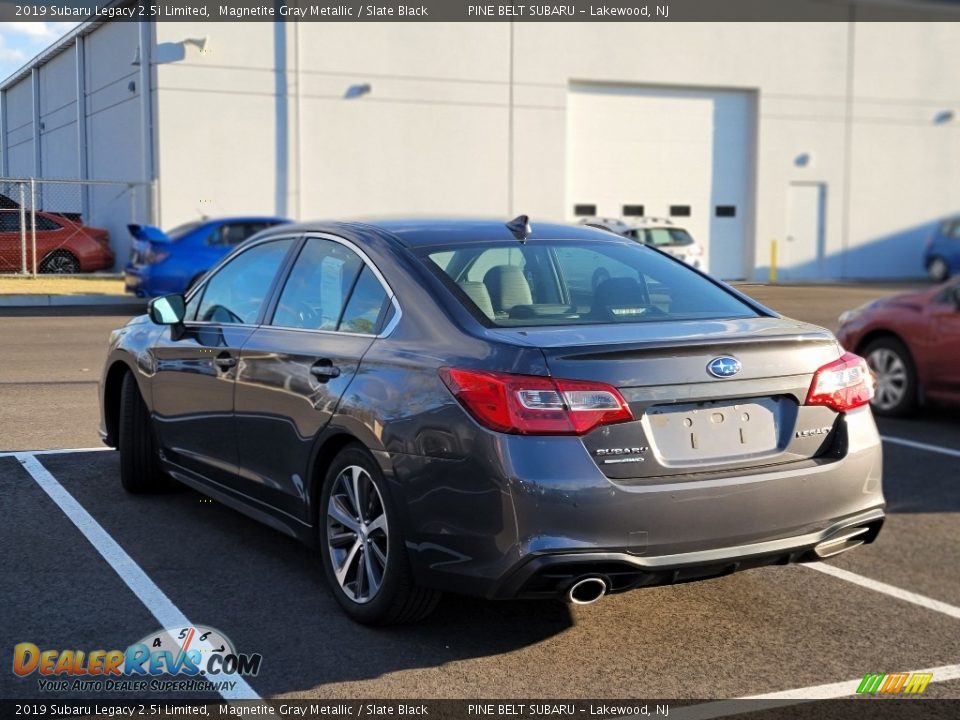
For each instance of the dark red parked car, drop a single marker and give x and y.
(63, 245)
(912, 343)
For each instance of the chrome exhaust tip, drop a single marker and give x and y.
(586, 591)
(846, 540)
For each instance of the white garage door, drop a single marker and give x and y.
(686, 155)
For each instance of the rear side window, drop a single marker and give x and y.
(578, 283)
(366, 303)
(317, 289)
(47, 224)
(330, 288)
(9, 221)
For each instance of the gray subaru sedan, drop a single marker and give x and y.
(499, 409)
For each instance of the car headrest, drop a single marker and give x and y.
(507, 287)
(480, 296)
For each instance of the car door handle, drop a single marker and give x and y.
(324, 370)
(224, 361)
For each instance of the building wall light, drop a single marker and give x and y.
(355, 91)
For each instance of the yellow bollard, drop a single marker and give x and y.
(773, 262)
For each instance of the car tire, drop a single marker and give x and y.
(140, 470)
(347, 544)
(60, 262)
(892, 365)
(938, 269)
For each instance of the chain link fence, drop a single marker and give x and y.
(68, 226)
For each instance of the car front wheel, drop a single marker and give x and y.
(362, 545)
(892, 366)
(140, 470)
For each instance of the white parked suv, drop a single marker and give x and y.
(659, 232)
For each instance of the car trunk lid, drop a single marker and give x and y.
(689, 419)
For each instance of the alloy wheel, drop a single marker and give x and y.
(357, 534)
(61, 265)
(891, 373)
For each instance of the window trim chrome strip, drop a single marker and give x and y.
(306, 237)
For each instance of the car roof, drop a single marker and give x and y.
(647, 222)
(619, 224)
(240, 218)
(426, 232)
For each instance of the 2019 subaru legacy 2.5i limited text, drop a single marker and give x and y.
(457, 405)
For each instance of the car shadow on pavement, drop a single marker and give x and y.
(268, 593)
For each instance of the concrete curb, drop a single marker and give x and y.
(114, 301)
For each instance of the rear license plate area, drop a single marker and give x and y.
(716, 431)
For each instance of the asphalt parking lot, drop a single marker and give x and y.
(88, 566)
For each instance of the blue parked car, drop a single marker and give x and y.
(942, 256)
(164, 263)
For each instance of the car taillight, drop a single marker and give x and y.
(843, 385)
(152, 256)
(535, 405)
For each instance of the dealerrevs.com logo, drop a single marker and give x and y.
(174, 659)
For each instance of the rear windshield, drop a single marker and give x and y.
(181, 230)
(566, 282)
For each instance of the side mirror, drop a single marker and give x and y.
(167, 310)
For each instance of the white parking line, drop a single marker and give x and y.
(891, 590)
(830, 691)
(159, 605)
(921, 446)
(58, 451)
(847, 688)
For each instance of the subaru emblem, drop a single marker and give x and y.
(724, 366)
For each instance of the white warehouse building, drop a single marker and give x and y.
(837, 140)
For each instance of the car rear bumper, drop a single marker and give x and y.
(551, 575)
(493, 524)
(133, 282)
(140, 281)
(153, 280)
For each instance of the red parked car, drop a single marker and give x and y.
(63, 245)
(912, 343)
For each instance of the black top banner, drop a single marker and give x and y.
(480, 11)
